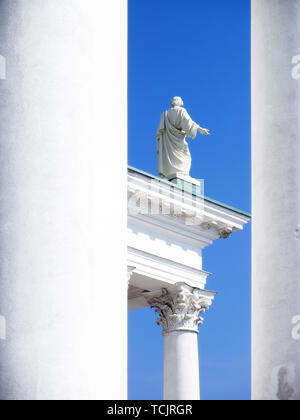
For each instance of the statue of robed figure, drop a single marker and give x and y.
(173, 153)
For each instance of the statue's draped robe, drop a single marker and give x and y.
(172, 149)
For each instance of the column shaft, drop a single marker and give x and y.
(62, 270)
(276, 198)
(181, 366)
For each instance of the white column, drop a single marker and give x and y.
(179, 311)
(276, 199)
(63, 305)
(181, 366)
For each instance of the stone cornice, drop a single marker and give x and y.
(195, 214)
(166, 182)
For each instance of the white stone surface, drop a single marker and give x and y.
(172, 149)
(62, 294)
(179, 313)
(181, 366)
(180, 177)
(2, 328)
(165, 246)
(166, 236)
(276, 199)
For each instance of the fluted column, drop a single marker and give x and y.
(179, 315)
(276, 199)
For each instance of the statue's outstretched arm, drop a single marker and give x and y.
(204, 131)
(189, 121)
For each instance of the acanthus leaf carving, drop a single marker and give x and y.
(180, 310)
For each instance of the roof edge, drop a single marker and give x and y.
(211, 200)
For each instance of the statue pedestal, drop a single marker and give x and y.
(186, 183)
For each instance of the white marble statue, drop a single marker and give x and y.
(174, 158)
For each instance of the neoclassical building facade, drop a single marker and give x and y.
(169, 225)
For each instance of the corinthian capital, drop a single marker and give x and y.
(180, 309)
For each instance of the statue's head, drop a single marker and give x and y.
(177, 101)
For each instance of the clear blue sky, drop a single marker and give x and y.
(199, 50)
